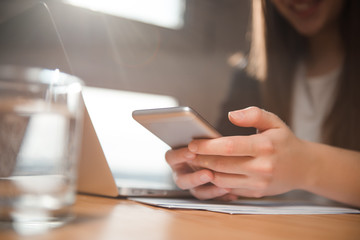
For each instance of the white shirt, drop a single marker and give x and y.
(313, 99)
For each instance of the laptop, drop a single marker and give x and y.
(119, 157)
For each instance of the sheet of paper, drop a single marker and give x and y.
(249, 206)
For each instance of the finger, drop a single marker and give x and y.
(181, 168)
(253, 145)
(255, 117)
(251, 185)
(193, 179)
(174, 157)
(227, 198)
(235, 165)
(208, 192)
(230, 165)
(250, 193)
(224, 180)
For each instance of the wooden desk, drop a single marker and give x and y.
(107, 219)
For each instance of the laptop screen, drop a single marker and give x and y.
(133, 153)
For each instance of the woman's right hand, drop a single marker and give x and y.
(198, 181)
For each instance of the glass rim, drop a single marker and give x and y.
(37, 75)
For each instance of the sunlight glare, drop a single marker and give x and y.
(164, 13)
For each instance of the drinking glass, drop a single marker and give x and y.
(41, 113)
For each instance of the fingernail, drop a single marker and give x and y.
(189, 155)
(204, 178)
(223, 191)
(193, 147)
(238, 115)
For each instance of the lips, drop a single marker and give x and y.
(304, 8)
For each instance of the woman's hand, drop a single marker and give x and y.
(267, 163)
(198, 181)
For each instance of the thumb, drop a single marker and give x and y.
(255, 117)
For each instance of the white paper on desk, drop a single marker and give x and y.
(248, 206)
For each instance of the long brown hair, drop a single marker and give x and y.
(275, 51)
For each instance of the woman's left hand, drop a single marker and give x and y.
(267, 163)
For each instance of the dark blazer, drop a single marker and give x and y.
(244, 92)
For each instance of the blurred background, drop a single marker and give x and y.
(173, 47)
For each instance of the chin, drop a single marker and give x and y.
(308, 30)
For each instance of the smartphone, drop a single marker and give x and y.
(176, 126)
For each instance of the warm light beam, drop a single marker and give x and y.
(164, 13)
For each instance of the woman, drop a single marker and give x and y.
(303, 59)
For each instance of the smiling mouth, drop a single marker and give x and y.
(304, 8)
